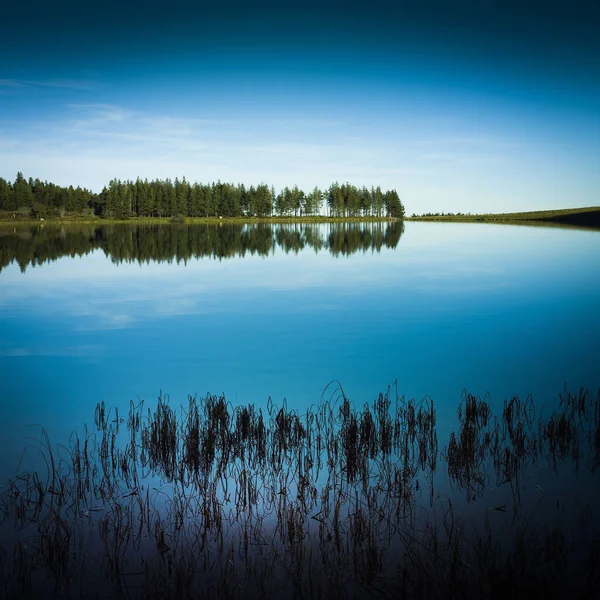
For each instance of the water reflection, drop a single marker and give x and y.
(30, 246)
(339, 501)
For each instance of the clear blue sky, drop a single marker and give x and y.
(472, 106)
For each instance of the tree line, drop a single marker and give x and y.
(167, 198)
(36, 245)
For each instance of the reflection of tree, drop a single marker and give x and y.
(347, 238)
(290, 239)
(146, 243)
(393, 233)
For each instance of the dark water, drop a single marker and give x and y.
(90, 314)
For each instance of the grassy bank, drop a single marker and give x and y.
(8, 219)
(577, 217)
(582, 217)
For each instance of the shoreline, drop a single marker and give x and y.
(190, 220)
(588, 217)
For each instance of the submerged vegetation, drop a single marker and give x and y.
(180, 198)
(30, 246)
(341, 501)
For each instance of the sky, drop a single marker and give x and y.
(470, 106)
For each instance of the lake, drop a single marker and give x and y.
(439, 307)
(118, 313)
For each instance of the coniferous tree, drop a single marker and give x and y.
(262, 201)
(6, 202)
(377, 201)
(216, 198)
(122, 199)
(195, 201)
(208, 205)
(299, 200)
(393, 204)
(335, 200)
(181, 198)
(161, 201)
(352, 199)
(22, 194)
(126, 200)
(143, 206)
(365, 201)
(137, 193)
(76, 201)
(99, 202)
(112, 198)
(171, 197)
(312, 202)
(279, 204)
(246, 200)
(229, 197)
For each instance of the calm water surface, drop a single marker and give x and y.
(91, 314)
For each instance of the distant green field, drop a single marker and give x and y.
(583, 217)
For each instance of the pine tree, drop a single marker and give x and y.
(377, 201)
(113, 199)
(22, 194)
(366, 201)
(6, 202)
(262, 201)
(393, 204)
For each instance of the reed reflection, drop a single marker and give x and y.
(338, 501)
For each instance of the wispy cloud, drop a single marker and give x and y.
(472, 141)
(434, 165)
(70, 84)
(116, 141)
(452, 158)
(98, 113)
(11, 83)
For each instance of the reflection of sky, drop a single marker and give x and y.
(488, 308)
(453, 261)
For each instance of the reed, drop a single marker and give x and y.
(339, 501)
